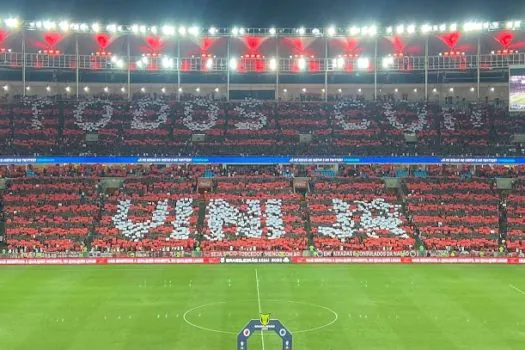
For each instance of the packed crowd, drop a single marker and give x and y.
(163, 126)
(165, 208)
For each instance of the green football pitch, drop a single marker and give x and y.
(204, 307)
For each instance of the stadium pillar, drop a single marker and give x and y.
(426, 68)
(326, 68)
(375, 69)
(228, 71)
(129, 68)
(178, 69)
(77, 72)
(24, 62)
(278, 59)
(478, 63)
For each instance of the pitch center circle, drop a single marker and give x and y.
(288, 318)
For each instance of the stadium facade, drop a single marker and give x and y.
(425, 61)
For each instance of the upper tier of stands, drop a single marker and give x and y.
(152, 127)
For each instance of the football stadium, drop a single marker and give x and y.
(173, 186)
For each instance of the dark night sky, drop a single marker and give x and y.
(265, 13)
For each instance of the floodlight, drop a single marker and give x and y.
(209, 63)
(415, 90)
(195, 31)
(122, 89)
(316, 32)
(451, 89)
(273, 31)
(273, 64)
(388, 61)
(389, 30)
(86, 89)
(355, 30)
(331, 31)
(400, 29)
(64, 26)
(49, 25)
(168, 30)
(453, 27)
(241, 31)
(180, 89)
(135, 28)
(372, 30)
(68, 89)
(425, 28)
(216, 89)
(12, 22)
(411, 29)
(472, 89)
(154, 29)
(442, 27)
(301, 31)
(198, 89)
(301, 63)
(233, 63)
(212, 31)
(84, 27)
(163, 90)
(167, 62)
(363, 63)
(95, 27)
(106, 89)
(6, 87)
(142, 29)
(235, 31)
(182, 30)
(142, 89)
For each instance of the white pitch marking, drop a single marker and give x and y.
(190, 283)
(516, 289)
(259, 302)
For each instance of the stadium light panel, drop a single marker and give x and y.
(273, 31)
(233, 63)
(273, 64)
(235, 31)
(492, 89)
(415, 90)
(86, 89)
(135, 28)
(6, 87)
(359, 90)
(182, 30)
(389, 30)
(316, 32)
(194, 30)
(209, 63)
(106, 89)
(323, 90)
(242, 31)
(212, 31)
(48, 88)
(517, 24)
(388, 62)
(303, 90)
(142, 29)
(355, 30)
(123, 89)
(400, 29)
(12, 22)
(95, 27)
(163, 90)
(301, 63)
(64, 26)
(363, 63)
(426, 28)
(509, 25)
(112, 28)
(216, 90)
(434, 90)
(340, 90)
(451, 89)
(453, 27)
(198, 89)
(28, 88)
(331, 31)
(167, 62)
(84, 27)
(472, 89)
(168, 30)
(154, 30)
(180, 89)
(49, 25)
(68, 89)
(411, 29)
(285, 90)
(442, 27)
(143, 89)
(301, 31)
(372, 31)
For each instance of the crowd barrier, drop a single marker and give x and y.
(263, 260)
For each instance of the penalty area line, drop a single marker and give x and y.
(516, 289)
(259, 302)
